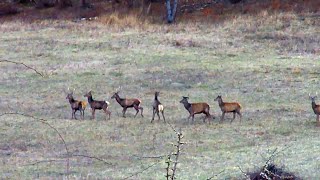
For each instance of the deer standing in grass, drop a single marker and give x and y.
(97, 105)
(229, 107)
(157, 107)
(315, 107)
(196, 108)
(128, 103)
(76, 106)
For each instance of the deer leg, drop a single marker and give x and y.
(82, 114)
(205, 117)
(234, 116)
(222, 116)
(74, 114)
(107, 112)
(158, 115)
(192, 118)
(137, 110)
(189, 118)
(124, 112)
(153, 114)
(141, 108)
(240, 115)
(164, 119)
(93, 112)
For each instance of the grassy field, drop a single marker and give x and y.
(268, 62)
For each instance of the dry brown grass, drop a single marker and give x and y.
(118, 21)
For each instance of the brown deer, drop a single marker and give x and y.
(128, 103)
(97, 105)
(196, 108)
(315, 107)
(157, 107)
(76, 106)
(229, 107)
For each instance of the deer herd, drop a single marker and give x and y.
(158, 107)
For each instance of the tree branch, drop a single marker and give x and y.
(43, 161)
(143, 170)
(215, 175)
(18, 63)
(93, 157)
(52, 127)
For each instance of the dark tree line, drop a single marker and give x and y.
(171, 5)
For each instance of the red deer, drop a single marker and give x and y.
(196, 108)
(157, 107)
(128, 103)
(76, 106)
(229, 107)
(315, 107)
(97, 105)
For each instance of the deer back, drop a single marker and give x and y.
(131, 102)
(230, 106)
(199, 107)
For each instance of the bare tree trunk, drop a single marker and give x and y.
(171, 10)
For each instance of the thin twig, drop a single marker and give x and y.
(215, 175)
(49, 125)
(150, 157)
(172, 127)
(168, 162)
(43, 161)
(275, 153)
(22, 114)
(93, 157)
(244, 173)
(143, 170)
(177, 154)
(19, 63)
(271, 157)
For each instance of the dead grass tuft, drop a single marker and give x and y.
(117, 20)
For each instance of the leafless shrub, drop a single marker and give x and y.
(173, 158)
(270, 170)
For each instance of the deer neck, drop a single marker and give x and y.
(221, 103)
(119, 100)
(187, 105)
(313, 103)
(90, 99)
(71, 100)
(156, 98)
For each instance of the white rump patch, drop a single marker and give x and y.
(107, 102)
(160, 107)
